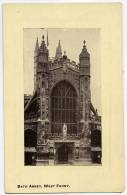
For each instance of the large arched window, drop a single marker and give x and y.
(64, 108)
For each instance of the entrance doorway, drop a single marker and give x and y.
(63, 152)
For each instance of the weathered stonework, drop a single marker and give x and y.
(48, 74)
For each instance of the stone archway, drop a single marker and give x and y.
(63, 152)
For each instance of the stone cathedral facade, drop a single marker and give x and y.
(61, 125)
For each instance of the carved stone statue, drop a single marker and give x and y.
(64, 130)
(42, 137)
(43, 91)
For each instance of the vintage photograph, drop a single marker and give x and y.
(62, 97)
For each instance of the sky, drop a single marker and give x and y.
(71, 42)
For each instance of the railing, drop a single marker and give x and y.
(60, 136)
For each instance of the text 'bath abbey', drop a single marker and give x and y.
(61, 126)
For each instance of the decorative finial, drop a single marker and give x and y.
(84, 42)
(64, 53)
(84, 52)
(43, 37)
(84, 46)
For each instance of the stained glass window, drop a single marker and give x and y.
(64, 108)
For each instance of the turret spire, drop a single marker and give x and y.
(84, 52)
(43, 47)
(59, 46)
(47, 39)
(36, 46)
(58, 51)
(84, 61)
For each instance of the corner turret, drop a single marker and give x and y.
(43, 52)
(35, 63)
(84, 60)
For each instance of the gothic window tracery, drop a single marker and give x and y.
(64, 108)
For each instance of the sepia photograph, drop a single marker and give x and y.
(62, 105)
(63, 98)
